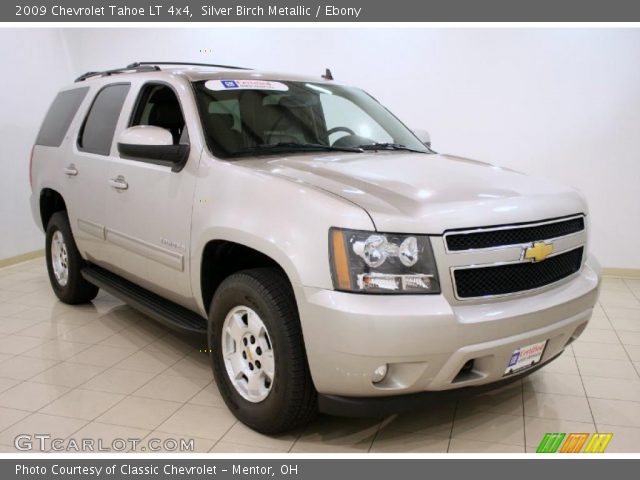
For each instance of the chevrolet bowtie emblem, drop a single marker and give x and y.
(538, 251)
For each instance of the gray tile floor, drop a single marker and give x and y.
(104, 371)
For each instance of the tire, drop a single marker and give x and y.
(71, 288)
(290, 398)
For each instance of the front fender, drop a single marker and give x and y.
(285, 220)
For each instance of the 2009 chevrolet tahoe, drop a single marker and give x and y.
(334, 261)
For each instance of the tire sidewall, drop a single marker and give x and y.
(60, 223)
(230, 295)
(52, 228)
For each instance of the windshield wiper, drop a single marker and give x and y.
(387, 146)
(294, 146)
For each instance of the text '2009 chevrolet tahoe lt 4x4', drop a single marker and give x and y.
(333, 260)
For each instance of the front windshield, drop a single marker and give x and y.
(257, 117)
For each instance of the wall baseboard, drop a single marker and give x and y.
(621, 272)
(5, 262)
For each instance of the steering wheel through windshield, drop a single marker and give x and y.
(340, 129)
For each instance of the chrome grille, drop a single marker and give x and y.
(491, 261)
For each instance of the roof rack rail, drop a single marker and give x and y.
(128, 68)
(231, 67)
(151, 67)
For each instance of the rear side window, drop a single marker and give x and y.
(59, 117)
(97, 133)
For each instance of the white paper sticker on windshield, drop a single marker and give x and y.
(218, 85)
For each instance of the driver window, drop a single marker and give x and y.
(340, 112)
(159, 106)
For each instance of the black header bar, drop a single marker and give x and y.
(320, 11)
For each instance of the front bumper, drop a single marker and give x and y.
(383, 406)
(426, 341)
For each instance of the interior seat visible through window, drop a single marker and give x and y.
(230, 139)
(159, 107)
(280, 124)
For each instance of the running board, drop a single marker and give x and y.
(166, 312)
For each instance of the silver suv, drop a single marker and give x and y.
(333, 260)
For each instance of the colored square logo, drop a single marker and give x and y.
(514, 359)
(229, 84)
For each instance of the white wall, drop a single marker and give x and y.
(34, 66)
(558, 102)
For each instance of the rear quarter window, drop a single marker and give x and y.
(59, 117)
(99, 126)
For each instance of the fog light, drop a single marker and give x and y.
(379, 373)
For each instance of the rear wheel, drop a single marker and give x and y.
(64, 263)
(258, 356)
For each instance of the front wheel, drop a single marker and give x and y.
(64, 263)
(258, 356)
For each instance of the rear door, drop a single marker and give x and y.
(52, 151)
(149, 205)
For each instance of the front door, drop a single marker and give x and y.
(149, 205)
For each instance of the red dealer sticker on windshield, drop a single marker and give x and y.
(218, 85)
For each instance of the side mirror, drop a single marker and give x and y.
(152, 144)
(423, 136)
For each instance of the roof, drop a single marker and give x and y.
(195, 75)
(196, 72)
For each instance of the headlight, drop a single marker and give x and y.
(382, 262)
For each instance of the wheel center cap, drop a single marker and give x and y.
(248, 347)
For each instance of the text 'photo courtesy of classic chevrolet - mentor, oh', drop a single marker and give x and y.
(333, 260)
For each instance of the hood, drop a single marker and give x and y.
(427, 193)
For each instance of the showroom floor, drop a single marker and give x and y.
(105, 371)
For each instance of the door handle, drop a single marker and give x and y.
(119, 183)
(71, 170)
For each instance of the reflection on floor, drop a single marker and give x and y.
(104, 371)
